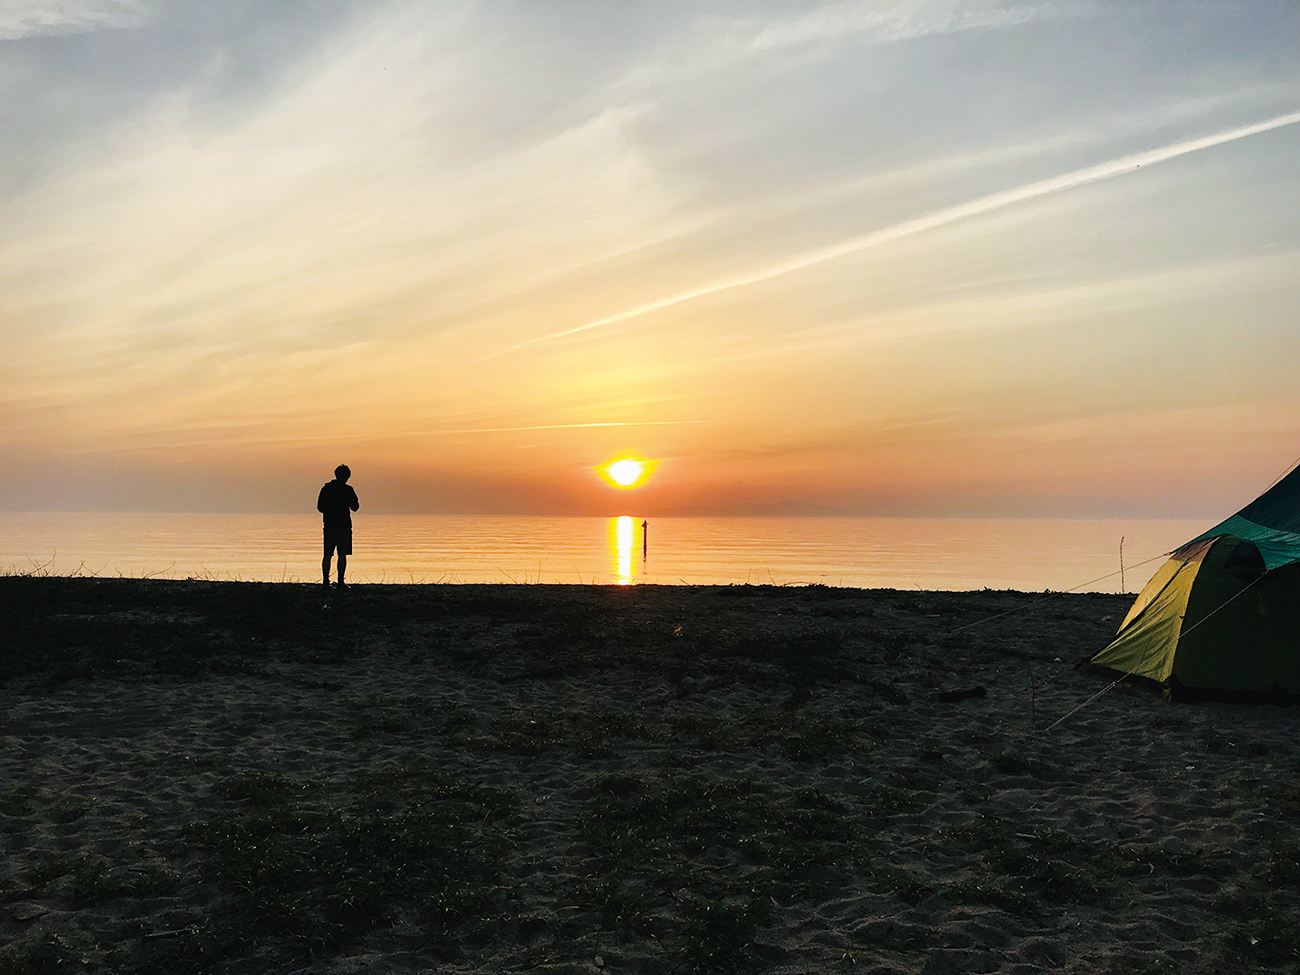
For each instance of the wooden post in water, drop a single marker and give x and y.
(1122, 587)
(645, 538)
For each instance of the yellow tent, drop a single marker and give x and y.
(1221, 618)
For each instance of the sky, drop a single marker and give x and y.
(928, 258)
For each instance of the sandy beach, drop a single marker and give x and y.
(255, 778)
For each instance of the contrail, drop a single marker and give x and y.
(930, 221)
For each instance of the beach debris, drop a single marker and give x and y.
(950, 697)
(599, 961)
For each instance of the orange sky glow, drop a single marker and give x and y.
(959, 258)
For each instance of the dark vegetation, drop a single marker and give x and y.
(670, 778)
(654, 834)
(322, 862)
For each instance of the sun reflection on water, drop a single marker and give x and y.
(623, 553)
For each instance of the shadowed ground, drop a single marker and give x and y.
(232, 777)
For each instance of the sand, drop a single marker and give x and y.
(246, 778)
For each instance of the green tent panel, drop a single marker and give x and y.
(1221, 618)
(1271, 521)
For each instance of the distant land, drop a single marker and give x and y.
(788, 508)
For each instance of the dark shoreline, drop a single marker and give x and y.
(234, 777)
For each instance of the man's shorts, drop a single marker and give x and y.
(338, 538)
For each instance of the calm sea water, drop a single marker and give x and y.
(903, 553)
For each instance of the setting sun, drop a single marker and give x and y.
(626, 472)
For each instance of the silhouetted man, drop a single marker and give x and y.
(336, 503)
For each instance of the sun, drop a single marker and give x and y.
(626, 473)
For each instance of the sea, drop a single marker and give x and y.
(1031, 555)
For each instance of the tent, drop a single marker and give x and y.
(1221, 618)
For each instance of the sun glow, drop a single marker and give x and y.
(626, 473)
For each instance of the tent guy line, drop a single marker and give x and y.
(1142, 663)
(930, 221)
(1289, 468)
(1052, 595)
(1190, 631)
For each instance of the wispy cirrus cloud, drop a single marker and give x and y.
(874, 23)
(280, 224)
(718, 43)
(308, 206)
(45, 18)
(199, 248)
(927, 222)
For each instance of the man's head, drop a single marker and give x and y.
(342, 472)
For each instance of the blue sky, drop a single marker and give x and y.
(892, 258)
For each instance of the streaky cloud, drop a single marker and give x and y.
(225, 437)
(901, 22)
(930, 221)
(452, 431)
(45, 18)
(723, 43)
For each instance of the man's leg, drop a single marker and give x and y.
(325, 562)
(343, 564)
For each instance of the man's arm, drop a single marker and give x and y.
(320, 499)
(354, 503)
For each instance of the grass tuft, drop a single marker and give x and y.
(323, 862)
(699, 864)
